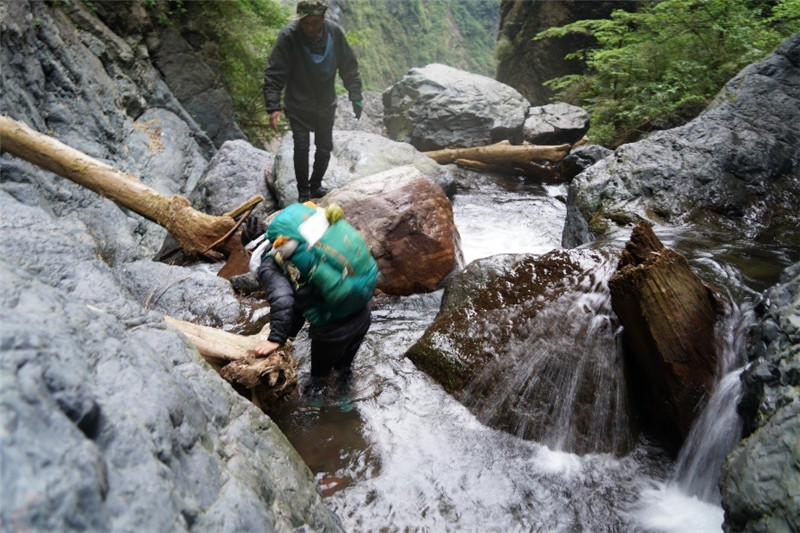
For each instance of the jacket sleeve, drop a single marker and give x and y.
(276, 73)
(282, 321)
(348, 67)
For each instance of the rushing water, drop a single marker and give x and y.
(399, 454)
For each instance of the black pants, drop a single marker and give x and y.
(322, 127)
(334, 347)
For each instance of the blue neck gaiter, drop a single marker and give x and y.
(323, 59)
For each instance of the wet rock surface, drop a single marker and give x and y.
(511, 336)
(761, 476)
(555, 124)
(733, 171)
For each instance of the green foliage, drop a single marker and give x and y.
(165, 12)
(786, 15)
(91, 6)
(660, 66)
(389, 37)
(246, 30)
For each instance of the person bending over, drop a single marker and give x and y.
(338, 309)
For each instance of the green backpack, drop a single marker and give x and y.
(337, 264)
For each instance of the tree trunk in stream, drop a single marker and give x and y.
(527, 159)
(669, 317)
(195, 232)
(266, 381)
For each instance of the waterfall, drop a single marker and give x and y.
(718, 428)
(563, 382)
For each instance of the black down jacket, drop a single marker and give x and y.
(289, 68)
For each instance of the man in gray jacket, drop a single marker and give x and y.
(307, 54)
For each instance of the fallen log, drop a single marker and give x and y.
(536, 170)
(503, 156)
(669, 317)
(194, 231)
(266, 381)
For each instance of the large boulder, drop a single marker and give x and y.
(356, 154)
(738, 161)
(760, 478)
(194, 295)
(371, 119)
(408, 224)
(437, 106)
(236, 173)
(516, 331)
(555, 124)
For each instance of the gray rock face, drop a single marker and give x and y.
(760, 478)
(739, 160)
(371, 120)
(168, 158)
(197, 84)
(66, 74)
(437, 107)
(356, 154)
(186, 294)
(582, 158)
(236, 173)
(111, 421)
(555, 124)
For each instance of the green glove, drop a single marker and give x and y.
(358, 107)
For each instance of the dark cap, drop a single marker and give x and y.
(311, 7)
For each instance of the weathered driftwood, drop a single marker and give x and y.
(669, 316)
(528, 159)
(194, 231)
(266, 381)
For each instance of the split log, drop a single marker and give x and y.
(266, 381)
(669, 317)
(194, 231)
(524, 158)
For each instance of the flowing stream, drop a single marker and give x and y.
(399, 454)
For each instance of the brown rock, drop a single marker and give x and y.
(407, 220)
(669, 316)
(527, 343)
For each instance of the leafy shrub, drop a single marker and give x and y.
(247, 30)
(659, 67)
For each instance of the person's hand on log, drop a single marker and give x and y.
(264, 348)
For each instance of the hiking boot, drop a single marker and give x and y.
(319, 192)
(303, 197)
